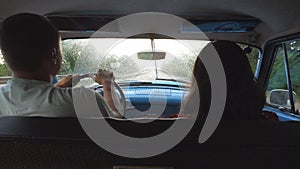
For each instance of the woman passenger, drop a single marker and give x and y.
(244, 100)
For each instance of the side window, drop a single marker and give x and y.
(4, 71)
(284, 83)
(277, 80)
(293, 51)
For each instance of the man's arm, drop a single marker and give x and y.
(106, 78)
(103, 77)
(68, 81)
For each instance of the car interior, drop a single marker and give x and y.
(266, 30)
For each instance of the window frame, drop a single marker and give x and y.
(265, 70)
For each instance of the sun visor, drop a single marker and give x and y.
(221, 26)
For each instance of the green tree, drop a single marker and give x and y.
(180, 67)
(81, 57)
(4, 70)
(87, 59)
(122, 66)
(293, 50)
(71, 52)
(278, 75)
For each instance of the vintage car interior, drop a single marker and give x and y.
(269, 33)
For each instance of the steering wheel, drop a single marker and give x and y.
(118, 88)
(122, 96)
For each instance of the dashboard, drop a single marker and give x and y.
(153, 99)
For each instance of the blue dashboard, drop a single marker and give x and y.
(163, 98)
(153, 99)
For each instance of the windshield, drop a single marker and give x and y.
(121, 57)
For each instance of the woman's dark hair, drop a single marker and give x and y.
(25, 39)
(245, 99)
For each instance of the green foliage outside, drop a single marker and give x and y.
(4, 70)
(79, 57)
(294, 64)
(278, 78)
(181, 66)
(71, 52)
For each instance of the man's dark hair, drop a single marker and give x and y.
(25, 39)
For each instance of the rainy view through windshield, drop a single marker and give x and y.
(121, 57)
(124, 58)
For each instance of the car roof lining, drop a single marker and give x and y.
(278, 18)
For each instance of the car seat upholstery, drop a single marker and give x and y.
(36, 142)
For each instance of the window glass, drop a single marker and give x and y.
(86, 56)
(277, 91)
(277, 81)
(121, 56)
(293, 52)
(178, 66)
(4, 71)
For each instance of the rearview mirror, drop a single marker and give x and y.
(151, 55)
(281, 97)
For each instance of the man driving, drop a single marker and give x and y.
(31, 48)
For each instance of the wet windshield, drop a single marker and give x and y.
(121, 57)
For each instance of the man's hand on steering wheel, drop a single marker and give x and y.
(106, 78)
(103, 76)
